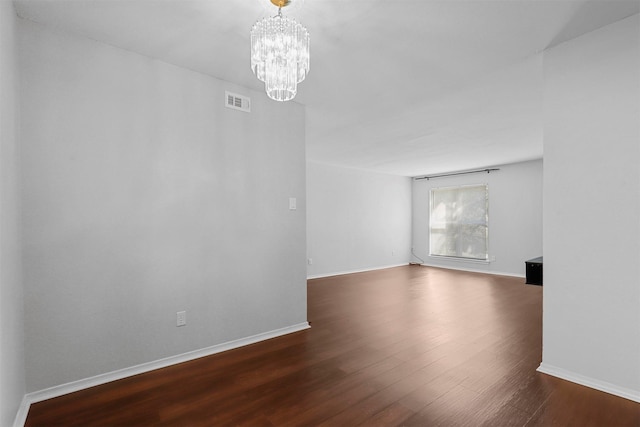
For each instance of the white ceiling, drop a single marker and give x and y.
(407, 87)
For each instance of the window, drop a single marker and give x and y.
(459, 222)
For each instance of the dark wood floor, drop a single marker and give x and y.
(409, 346)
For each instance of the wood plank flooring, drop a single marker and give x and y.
(406, 346)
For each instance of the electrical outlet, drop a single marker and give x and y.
(181, 318)
(309, 261)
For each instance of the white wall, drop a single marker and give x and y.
(356, 220)
(144, 196)
(12, 370)
(515, 217)
(592, 209)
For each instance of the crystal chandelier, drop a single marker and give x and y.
(280, 54)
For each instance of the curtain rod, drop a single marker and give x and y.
(456, 173)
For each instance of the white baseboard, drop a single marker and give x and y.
(473, 270)
(340, 273)
(626, 393)
(23, 410)
(71, 387)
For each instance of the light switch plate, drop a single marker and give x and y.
(181, 318)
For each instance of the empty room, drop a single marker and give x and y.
(306, 212)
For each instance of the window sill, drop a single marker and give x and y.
(459, 259)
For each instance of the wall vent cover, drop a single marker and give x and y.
(237, 102)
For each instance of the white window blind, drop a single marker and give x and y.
(459, 222)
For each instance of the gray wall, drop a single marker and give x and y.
(143, 196)
(356, 220)
(515, 217)
(12, 379)
(592, 209)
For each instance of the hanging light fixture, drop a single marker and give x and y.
(280, 53)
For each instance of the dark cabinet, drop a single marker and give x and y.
(534, 271)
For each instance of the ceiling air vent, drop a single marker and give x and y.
(237, 102)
